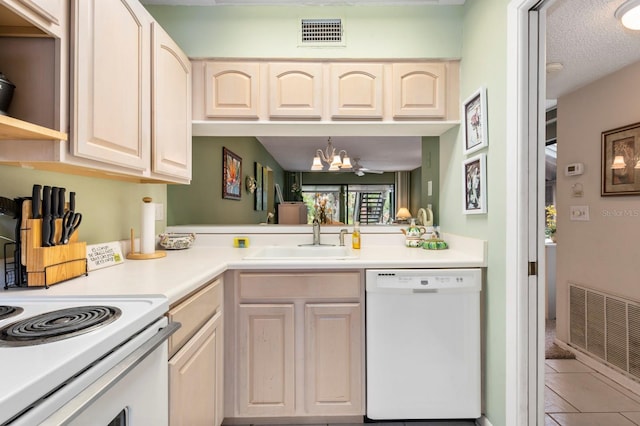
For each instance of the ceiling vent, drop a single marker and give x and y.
(321, 32)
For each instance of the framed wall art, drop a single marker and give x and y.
(474, 179)
(259, 187)
(620, 161)
(231, 175)
(474, 116)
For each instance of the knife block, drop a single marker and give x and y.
(49, 265)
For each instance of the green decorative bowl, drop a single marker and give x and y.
(434, 244)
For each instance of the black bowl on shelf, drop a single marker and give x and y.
(6, 94)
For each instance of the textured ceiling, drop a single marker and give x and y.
(589, 41)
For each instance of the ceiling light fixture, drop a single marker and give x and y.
(629, 14)
(335, 159)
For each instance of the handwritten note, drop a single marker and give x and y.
(103, 255)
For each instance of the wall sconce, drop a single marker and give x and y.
(619, 163)
(629, 14)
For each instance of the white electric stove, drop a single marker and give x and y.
(60, 380)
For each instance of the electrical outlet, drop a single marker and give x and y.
(159, 211)
(579, 213)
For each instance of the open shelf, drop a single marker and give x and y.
(12, 128)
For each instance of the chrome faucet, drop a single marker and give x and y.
(343, 232)
(316, 232)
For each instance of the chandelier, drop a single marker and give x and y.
(336, 160)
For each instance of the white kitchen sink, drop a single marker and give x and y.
(302, 252)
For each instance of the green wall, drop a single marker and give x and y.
(109, 208)
(431, 172)
(202, 202)
(272, 31)
(484, 63)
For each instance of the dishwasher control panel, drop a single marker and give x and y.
(423, 279)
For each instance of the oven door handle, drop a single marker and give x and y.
(94, 391)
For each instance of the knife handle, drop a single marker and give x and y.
(35, 201)
(72, 202)
(46, 216)
(55, 193)
(61, 202)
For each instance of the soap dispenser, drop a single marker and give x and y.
(355, 236)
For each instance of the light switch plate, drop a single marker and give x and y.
(579, 213)
(159, 211)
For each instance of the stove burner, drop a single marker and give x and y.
(57, 325)
(9, 311)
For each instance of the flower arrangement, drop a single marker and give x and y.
(550, 222)
(297, 191)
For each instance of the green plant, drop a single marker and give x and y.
(297, 191)
(550, 223)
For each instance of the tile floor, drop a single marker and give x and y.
(576, 395)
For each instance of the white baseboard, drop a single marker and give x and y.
(620, 378)
(483, 421)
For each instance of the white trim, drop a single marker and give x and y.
(516, 297)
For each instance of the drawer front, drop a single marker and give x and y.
(302, 285)
(194, 312)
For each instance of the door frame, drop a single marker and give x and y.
(525, 289)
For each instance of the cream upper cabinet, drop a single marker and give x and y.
(112, 83)
(419, 90)
(357, 90)
(232, 89)
(230, 94)
(49, 16)
(295, 90)
(171, 96)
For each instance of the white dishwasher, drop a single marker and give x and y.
(423, 343)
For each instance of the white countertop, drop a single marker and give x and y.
(183, 271)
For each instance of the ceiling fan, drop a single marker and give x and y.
(360, 170)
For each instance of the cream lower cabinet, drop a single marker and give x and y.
(333, 351)
(196, 353)
(298, 345)
(266, 375)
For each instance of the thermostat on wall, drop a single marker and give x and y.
(574, 169)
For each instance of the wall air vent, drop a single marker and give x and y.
(607, 327)
(321, 32)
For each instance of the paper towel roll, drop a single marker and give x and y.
(148, 227)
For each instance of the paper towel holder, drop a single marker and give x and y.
(133, 255)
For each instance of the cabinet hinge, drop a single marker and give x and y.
(533, 268)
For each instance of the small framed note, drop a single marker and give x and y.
(103, 255)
